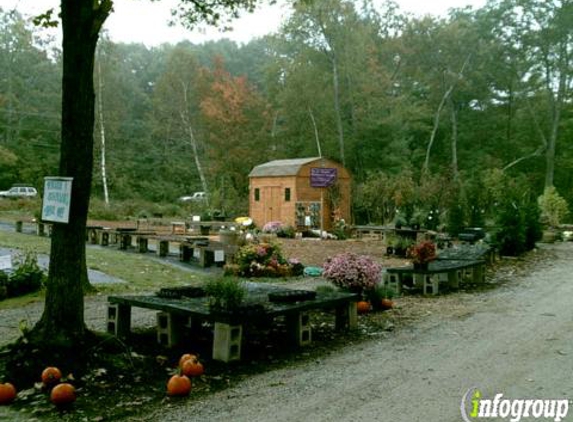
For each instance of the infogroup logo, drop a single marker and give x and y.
(475, 407)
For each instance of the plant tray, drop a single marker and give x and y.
(178, 292)
(292, 296)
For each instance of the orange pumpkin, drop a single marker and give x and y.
(185, 357)
(62, 394)
(7, 393)
(192, 368)
(51, 376)
(178, 385)
(386, 304)
(363, 307)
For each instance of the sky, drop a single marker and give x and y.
(142, 21)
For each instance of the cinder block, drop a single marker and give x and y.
(299, 328)
(163, 248)
(125, 241)
(227, 342)
(142, 244)
(104, 238)
(119, 320)
(431, 282)
(346, 316)
(392, 281)
(170, 328)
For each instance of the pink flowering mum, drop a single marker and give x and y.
(352, 272)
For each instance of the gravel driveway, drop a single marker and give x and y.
(516, 340)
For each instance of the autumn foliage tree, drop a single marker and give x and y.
(62, 323)
(237, 121)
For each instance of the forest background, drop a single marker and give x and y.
(434, 117)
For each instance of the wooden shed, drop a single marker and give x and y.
(304, 193)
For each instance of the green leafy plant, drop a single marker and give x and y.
(225, 293)
(27, 276)
(286, 232)
(3, 285)
(379, 292)
(553, 207)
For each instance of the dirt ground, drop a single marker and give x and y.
(315, 251)
(513, 339)
(413, 363)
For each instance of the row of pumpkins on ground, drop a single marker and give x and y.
(64, 393)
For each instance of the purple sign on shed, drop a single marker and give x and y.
(321, 177)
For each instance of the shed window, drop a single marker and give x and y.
(287, 194)
(257, 194)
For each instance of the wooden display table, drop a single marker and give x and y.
(176, 313)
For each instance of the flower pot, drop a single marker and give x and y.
(389, 250)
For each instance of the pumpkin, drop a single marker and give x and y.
(7, 393)
(363, 307)
(178, 385)
(386, 304)
(192, 368)
(51, 376)
(185, 357)
(62, 394)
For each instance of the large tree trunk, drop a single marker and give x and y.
(62, 322)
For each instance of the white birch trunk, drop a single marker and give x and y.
(185, 118)
(102, 135)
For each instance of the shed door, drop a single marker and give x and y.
(272, 201)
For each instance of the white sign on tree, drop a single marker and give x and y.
(57, 196)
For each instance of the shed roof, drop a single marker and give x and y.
(281, 167)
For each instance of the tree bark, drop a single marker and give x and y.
(445, 97)
(315, 132)
(186, 120)
(454, 121)
(336, 85)
(62, 322)
(102, 135)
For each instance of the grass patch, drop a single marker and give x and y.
(140, 273)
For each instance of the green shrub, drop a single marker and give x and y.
(3, 285)
(27, 277)
(511, 234)
(225, 293)
(553, 207)
(286, 232)
(533, 229)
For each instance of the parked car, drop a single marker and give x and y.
(19, 192)
(197, 196)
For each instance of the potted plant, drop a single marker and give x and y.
(422, 254)
(402, 245)
(351, 272)
(391, 241)
(225, 293)
(381, 297)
